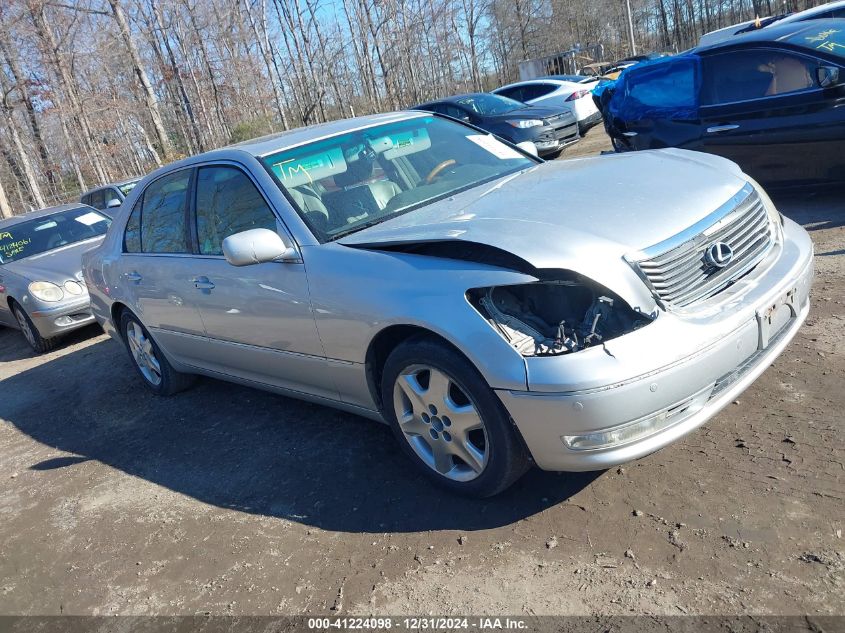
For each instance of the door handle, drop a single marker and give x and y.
(202, 283)
(133, 277)
(629, 134)
(721, 128)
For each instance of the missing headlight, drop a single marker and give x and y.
(548, 318)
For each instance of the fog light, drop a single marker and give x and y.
(63, 321)
(619, 435)
(638, 429)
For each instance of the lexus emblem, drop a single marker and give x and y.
(719, 255)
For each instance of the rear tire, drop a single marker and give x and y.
(448, 420)
(156, 372)
(37, 342)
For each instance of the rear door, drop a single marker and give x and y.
(258, 319)
(155, 270)
(764, 109)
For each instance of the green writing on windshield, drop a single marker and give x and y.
(829, 40)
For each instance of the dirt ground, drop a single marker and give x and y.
(227, 500)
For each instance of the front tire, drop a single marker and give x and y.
(448, 420)
(156, 372)
(37, 342)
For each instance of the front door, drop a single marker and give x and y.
(764, 109)
(257, 319)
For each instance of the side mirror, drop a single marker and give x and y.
(827, 76)
(113, 203)
(256, 246)
(528, 147)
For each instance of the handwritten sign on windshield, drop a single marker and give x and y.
(9, 246)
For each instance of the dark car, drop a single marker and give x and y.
(109, 196)
(772, 100)
(550, 128)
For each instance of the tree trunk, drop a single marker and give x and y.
(150, 96)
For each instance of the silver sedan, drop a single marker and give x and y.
(41, 287)
(494, 309)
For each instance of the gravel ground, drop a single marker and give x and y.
(227, 500)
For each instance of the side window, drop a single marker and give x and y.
(227, 203)
(746, 75)
(96, 199)
(163, 214)
(86, 199)
(110, 194)
(132, 235)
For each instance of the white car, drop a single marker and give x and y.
(572, 91)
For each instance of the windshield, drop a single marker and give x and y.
(126, 187)
(823, 39)
(49, 232)
(348, 182)
(486, 104)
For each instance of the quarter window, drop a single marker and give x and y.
(163, 214)
(132, 235)
(746, 75)
(227, 203)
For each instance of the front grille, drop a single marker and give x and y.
(681, 274)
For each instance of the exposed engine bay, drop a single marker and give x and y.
(549, 318)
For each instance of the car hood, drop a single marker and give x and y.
(581, 215)
(56, 266)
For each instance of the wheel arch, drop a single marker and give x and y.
(116, 313)
(388, 339)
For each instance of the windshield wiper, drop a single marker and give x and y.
(360, 227)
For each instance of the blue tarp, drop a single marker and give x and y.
(665, 88)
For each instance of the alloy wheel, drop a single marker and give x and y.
(141, 348)
(441, 423)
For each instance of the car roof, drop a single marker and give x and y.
(40, 213)
(554, 79)
(116, 183)
(298, 136)
(774, 33)
(280, 141)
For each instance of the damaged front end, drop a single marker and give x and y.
(554, 317)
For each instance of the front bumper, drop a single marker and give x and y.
(681, 371)
(62, 318)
